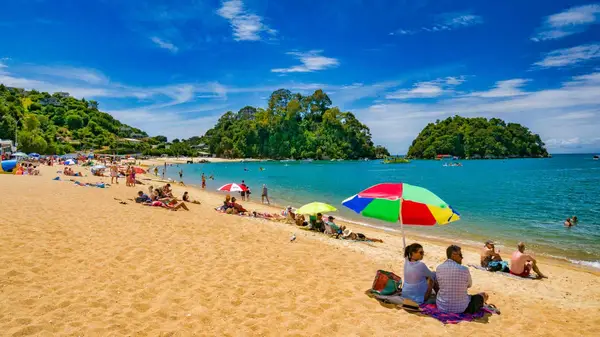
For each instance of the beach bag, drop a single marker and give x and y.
(386, 283)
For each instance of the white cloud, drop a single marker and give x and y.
(506, 88)
(428, 89)
(246, 26)
(86, 75)
(311, 61)
(573, 20)
(164, 44)
(445, 22)
(569, 56)
(573, 108)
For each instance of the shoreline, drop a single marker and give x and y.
(471, 244)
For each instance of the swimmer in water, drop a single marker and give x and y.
(568, 223)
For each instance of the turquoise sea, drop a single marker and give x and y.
(505, 200)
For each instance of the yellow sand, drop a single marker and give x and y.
(74, 261)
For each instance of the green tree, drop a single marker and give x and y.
(74, 121)
(31, 141)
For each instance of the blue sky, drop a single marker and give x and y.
(173, 67)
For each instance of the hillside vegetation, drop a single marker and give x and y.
(476, 138)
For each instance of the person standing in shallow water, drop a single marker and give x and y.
(265, 195)
(181, 174)
(203, 181)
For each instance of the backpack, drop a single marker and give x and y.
(386, 283)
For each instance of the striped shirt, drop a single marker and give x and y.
(454, 279)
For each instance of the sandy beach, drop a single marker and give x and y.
(77, 262)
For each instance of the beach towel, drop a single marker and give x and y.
(530, 277)
(450, 318)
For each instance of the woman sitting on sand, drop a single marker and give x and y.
(419, 281)
(167, 191)
(237, 208)
(186, 197)
(300, 220)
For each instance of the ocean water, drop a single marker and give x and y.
(505, 200)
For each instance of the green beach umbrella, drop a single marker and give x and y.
(315, 207)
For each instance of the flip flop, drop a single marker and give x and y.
(492, 308)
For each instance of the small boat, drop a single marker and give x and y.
(596, 157)
(395, 160)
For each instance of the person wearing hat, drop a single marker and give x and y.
(489, 254)
(336, 229)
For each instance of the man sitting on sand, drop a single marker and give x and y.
(454, 279)
(489, 254)
(336, 230)
(521, 264)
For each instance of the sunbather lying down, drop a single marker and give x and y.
(270, 216)
(349, 235)
(173, 206)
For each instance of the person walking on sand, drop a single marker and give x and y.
(114, 173)
(454, 279)
(521, 264)
(265, 195)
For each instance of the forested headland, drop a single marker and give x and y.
(476, 138)
(292, 126)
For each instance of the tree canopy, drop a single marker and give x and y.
(476, 137)
(292, 126)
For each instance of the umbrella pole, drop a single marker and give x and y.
(402, 228)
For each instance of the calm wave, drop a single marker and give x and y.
(505, 200)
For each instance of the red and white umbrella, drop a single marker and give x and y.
(233, 188)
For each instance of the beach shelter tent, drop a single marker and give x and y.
(70, 162)
(34, 155)
(7, 166)
(19, 154)
(404, 203)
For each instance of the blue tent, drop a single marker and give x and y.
(37, 155)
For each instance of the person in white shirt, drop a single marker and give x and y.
(454, 279)
(419, 281)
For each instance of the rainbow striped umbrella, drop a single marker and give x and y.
(404, 203)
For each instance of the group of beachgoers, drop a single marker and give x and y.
(129, 174)
(68, 171)
(26, 169)
(163, 197)
(451, 280)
